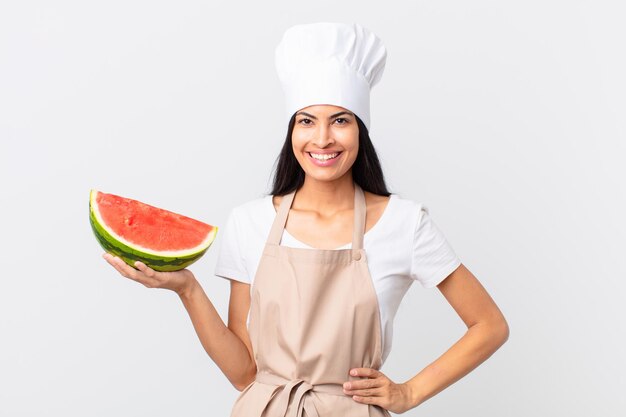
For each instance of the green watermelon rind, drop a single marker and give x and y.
(131, 255)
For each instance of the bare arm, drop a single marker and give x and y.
(228, 346)
(487, 331)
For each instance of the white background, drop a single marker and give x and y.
(505, 118)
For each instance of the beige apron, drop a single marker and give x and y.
(313, 317)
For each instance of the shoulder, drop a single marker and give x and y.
(252, 210)
(404, 207)
(376, 200)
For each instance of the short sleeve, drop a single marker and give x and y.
(230, 261)
(433, 259)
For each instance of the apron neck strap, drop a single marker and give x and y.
(358, 230)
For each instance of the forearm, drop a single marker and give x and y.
(478, 343)
(224, 347)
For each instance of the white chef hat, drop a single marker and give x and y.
(329, 63)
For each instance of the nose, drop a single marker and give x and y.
(324, 135)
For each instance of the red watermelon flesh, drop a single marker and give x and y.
(149, 226)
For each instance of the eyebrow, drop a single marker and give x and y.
(331, 116)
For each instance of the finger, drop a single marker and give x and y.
(363, 384)
(145, 269)
(125, 269)
(375, 400)
(150, 277)
(111, 259)
(371, 392)
(365, 372)
(108, 257)
(135, 274)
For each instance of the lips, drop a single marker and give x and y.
(323, 162)
(325, 153)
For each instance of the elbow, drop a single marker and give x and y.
(240, 386)
(496, 332)
(245, 381)
(502, 331)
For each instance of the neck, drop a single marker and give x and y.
(326, 196)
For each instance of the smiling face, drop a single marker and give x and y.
(325, 141)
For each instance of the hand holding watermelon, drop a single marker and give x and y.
(177, 281)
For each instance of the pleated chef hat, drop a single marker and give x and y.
(329, 63)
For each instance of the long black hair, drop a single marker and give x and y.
(366, 170)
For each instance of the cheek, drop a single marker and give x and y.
(298, 139)
(350, 142)
(350, 137)
(297, 144)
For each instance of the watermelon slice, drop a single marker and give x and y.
(135, 231)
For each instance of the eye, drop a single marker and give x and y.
(307, 119)
(345, 121)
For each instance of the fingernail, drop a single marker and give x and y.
(353, 372)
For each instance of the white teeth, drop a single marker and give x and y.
(324, 157)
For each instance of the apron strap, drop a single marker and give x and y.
(280, 219)
(358, 230)
(359, 217)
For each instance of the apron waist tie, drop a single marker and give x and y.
(303, 401)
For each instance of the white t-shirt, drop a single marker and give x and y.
(405, 245)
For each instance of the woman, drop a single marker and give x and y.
(310, 316)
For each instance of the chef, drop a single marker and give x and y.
(318, 267)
